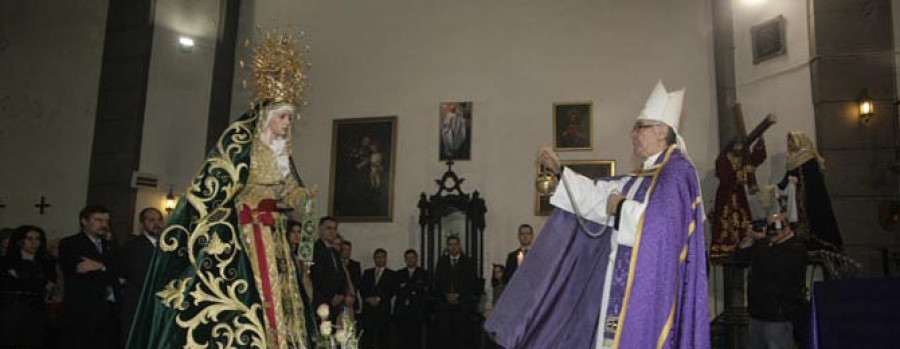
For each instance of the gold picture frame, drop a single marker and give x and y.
(363, 153)
(593, 169)
(573, 126)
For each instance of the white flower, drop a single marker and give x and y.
(322, 311)
(325, 328)
(341, 336)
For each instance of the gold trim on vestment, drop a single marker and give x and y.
(634, 251)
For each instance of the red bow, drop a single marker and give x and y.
(263, 214)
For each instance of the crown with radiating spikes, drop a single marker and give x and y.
(278, 63)
(663, 106)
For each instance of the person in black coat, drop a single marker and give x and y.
(328, 279)
(27, 273)
(776, 284)
(377, 286)
(411, 302)
(526, 236)
(455, 281)
(88, 317)
(134, 260)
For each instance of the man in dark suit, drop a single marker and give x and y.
(526, 236)
(353, 268)
(377, 287)
(411, 303)
(134, 259)
(88, 317)
(455, 281)
(328, 279)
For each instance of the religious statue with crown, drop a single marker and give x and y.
(224, 275)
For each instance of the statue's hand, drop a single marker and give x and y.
(312, 191)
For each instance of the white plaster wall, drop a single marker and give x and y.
(50, 57)
(178, 92)
(779, 86)
(513, 59)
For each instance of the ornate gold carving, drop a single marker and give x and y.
(214, 290)
(173, 294)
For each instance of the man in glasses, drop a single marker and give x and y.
(626, 266)
(776, 284)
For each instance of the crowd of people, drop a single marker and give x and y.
(77, 292)
(84, 294)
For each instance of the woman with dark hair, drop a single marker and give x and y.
(5, 233)
(28, 273)
(295, 233)
(497, 282)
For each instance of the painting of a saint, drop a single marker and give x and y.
(456, 131)
(362, 163)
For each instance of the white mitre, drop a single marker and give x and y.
(663, 106)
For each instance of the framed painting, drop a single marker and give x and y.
(593, 169)
(572, 126)
(455, 136)
(767, 39)
(362, 169)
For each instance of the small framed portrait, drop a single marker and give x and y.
(593, 169)
(362, 169)
(768, 39)
(455, 134)
(572, 126)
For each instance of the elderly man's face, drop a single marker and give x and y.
(648, 137)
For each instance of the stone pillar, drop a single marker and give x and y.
(118, 125)
(223, 71)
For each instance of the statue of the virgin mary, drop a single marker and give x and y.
(223, 274)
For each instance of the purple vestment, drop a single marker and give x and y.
(554, 299)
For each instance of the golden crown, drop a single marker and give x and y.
(278, 66)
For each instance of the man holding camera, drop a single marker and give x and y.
(776, 282)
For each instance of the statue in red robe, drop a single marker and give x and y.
(732, 215)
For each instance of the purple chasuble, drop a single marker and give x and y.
(554, 299)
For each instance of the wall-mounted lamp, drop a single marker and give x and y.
(170, 201)
(186, 43)
(866, 106)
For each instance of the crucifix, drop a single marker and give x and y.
(742, 141)
(42, 205)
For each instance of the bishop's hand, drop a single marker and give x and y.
(548, 158)
(612, 203)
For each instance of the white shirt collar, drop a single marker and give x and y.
(94, 239)
(151, 238)
(651, 160)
